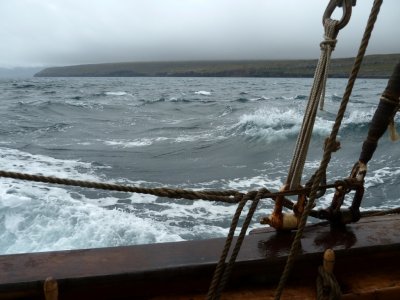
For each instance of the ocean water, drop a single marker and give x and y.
(197, 133)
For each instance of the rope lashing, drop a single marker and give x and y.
(327, 286)
(279, 220)
(330, 146)
(334, 213)
(327, 46)
(320, 76)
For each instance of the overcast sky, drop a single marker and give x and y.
(65, 32)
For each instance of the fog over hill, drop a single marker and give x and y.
(18, 72)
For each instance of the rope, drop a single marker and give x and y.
(228, 196)
(238, 244)
(327, 286)
(330, 145)
(218, 273)
(223, 270)
(317, 93)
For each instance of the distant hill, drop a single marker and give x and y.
(18, 72)
(374, 66)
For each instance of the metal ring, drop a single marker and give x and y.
(347, 6)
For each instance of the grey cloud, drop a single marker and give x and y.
(63, 32)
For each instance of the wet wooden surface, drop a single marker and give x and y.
(147, 271)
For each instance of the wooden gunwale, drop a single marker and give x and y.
(182, 268)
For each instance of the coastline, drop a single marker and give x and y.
(374, 66)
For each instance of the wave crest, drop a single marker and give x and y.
(274, 124)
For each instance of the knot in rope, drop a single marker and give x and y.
(328, 43)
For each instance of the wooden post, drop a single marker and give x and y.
(50, 289)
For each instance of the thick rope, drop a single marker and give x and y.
(238, 245)
(327, 286)
(228, 196)
(221, 263)
(330, 146)
(223, 196)
(316, 94)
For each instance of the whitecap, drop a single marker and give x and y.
(203, 93)
(260, 98)
(134, 143)
(129, 144)
(116, 93)
(19, 161)
(274, 124)
(359, 117)
(245, 184)
(54, 220)
(12, 222)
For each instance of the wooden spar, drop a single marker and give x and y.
(177, 269)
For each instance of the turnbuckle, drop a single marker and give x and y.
(347, 7)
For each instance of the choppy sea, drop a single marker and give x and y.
(197, 133)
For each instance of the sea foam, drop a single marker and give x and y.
(274, 124)
(203, 93)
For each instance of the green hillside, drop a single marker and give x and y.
(374, 66)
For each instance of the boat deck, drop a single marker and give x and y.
(367, 255)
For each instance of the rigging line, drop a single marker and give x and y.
(223, 269)
(228, 196)
(224, 196)
(219, 271)
(317, 92)
(330, 147)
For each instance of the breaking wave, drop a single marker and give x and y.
(273, 124)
